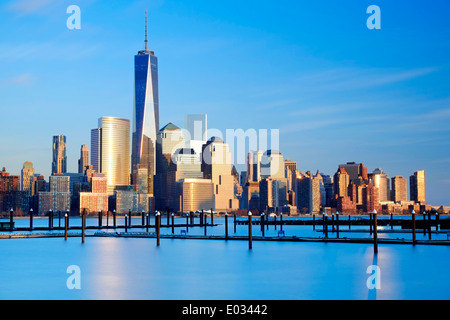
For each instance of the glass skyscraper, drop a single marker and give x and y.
(110, 145)
(145, 114)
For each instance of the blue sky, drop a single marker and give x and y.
(336, 90)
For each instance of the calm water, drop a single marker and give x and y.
(119, 268)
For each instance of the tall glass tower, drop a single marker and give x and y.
(145, 113)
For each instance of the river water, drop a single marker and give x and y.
(132, 268)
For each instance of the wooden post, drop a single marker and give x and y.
(250, 230)
(83, 225)
(275, 221)
(31, 219)
(332, 222)
(226, 225)
(11, 218)
(235, 222)
(429, 225)
(65, 226)
(143, 217)
(263, 218)
(147, 222)
(173, 223)
(126, 223)
(158, 226)
(59, 219)
(205, 224)
(114, 218)
(337, 224)
(68, 219)
(50, 218)
(201, 218)
(437, 221)
(314, 222)
(100, 218)
(413, 213)
(212, 216)
(187, 222)
(326, 226)
(281, 221)
(375, 232)
(107, 218)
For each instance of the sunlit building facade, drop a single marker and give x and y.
(110, 145)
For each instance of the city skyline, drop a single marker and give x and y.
(402, 133)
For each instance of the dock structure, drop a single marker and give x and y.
(330, 228)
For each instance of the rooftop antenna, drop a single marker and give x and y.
(146, 41)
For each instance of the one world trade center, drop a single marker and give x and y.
(145, 118)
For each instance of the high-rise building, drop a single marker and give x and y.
(145, 112)
(308, 193)
(370, 199)
(170, 139)
(97, 199)
(355, 170)
(26, 177)
(272, 165)
(417, 186)
(58, 198)
(254, 166)
(273, 194)
(196, 194)
(291, 169)
(341, 182)
(59, 163)
(110, 145)
(83, 162)
(382, 182)
(216, 165)
(399, 189)
(185, 165)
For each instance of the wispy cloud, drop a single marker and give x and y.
(24, 7)
(343, 79)
(23, 79)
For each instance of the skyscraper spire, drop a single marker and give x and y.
(146, 41)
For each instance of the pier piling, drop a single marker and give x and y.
(226, 225)
(173, 223)
(65, 226)
(375, 232)
(337, 224)
(31, 219)
(83, 225)
(413, 217)
(158, 227)
(187, 222)
(250, 230)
